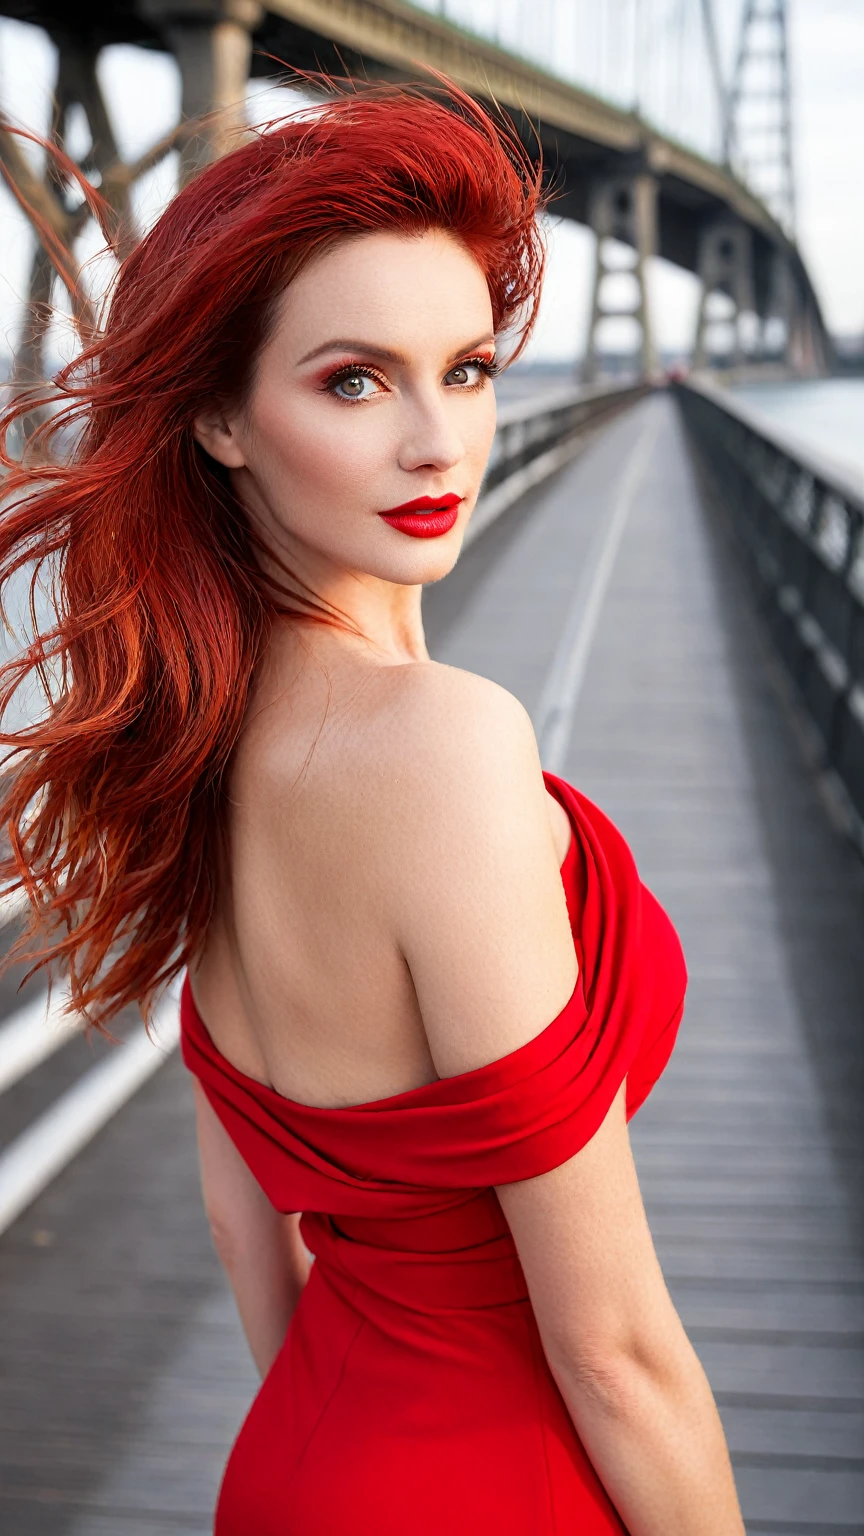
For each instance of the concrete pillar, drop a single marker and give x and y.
(212, 43)
(808, 349)
(77, 81)
(725, 266)
(782, 299)
(623, 208)
(807, 352)
(29, 365)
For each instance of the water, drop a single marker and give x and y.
(826, 415)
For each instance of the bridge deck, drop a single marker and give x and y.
(125, 1375)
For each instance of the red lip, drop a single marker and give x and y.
(424, 504)
(426, 517)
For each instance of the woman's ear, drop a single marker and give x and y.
(216, 434)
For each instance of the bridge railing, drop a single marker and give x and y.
(801, 521)
(537, 435)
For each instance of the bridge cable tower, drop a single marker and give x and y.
(712, 49)
(759, 109)
(757, 146)
(622, 208)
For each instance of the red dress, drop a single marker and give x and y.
(411, 1396)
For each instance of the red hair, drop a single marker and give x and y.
(111, 801)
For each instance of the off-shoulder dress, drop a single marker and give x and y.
(411, 1396)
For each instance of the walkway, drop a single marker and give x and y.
(125, 1376)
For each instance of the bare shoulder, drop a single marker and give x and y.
(431, 689)
(454, 749)
(439, 715)
(465, 863)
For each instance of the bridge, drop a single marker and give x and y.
(612, 169)
(676, 594)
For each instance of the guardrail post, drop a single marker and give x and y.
(622, 208)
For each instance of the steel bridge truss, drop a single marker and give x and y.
(611, 170)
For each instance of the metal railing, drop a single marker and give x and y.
(537, 435)
(801, 521)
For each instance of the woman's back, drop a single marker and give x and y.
(303, 982)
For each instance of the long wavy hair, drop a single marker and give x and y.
(158, 607)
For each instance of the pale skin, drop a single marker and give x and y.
(392, 911)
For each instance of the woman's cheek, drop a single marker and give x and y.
(334, 449)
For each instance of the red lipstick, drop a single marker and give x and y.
(426, 517)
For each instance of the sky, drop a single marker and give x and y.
(827, 59)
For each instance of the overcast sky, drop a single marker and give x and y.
(827, 52)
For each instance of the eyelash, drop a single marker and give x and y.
(488, 367)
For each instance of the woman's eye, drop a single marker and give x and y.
(355, 386)
(465, 374)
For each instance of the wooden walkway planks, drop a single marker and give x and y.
(124, 1375)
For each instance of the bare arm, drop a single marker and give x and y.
(482, 923)
(261, 1251)
(631, 1380)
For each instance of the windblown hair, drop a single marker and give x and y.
(111, 801)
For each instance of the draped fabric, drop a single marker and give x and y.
(412, 1394)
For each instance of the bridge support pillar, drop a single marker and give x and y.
(807, 350)
(622, 208)
(782, 305)
(212, 43)
(76, 85)
(725, 267)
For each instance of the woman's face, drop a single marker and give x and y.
(372, 391)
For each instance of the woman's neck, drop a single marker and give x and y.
(382, 616)
(386, 627)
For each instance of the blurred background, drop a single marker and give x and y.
(666, 566)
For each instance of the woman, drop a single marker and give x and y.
(426, 988)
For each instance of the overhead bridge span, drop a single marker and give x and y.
(609, 167)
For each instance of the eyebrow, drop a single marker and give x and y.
(347, 344)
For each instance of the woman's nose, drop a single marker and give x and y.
(431, 441)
